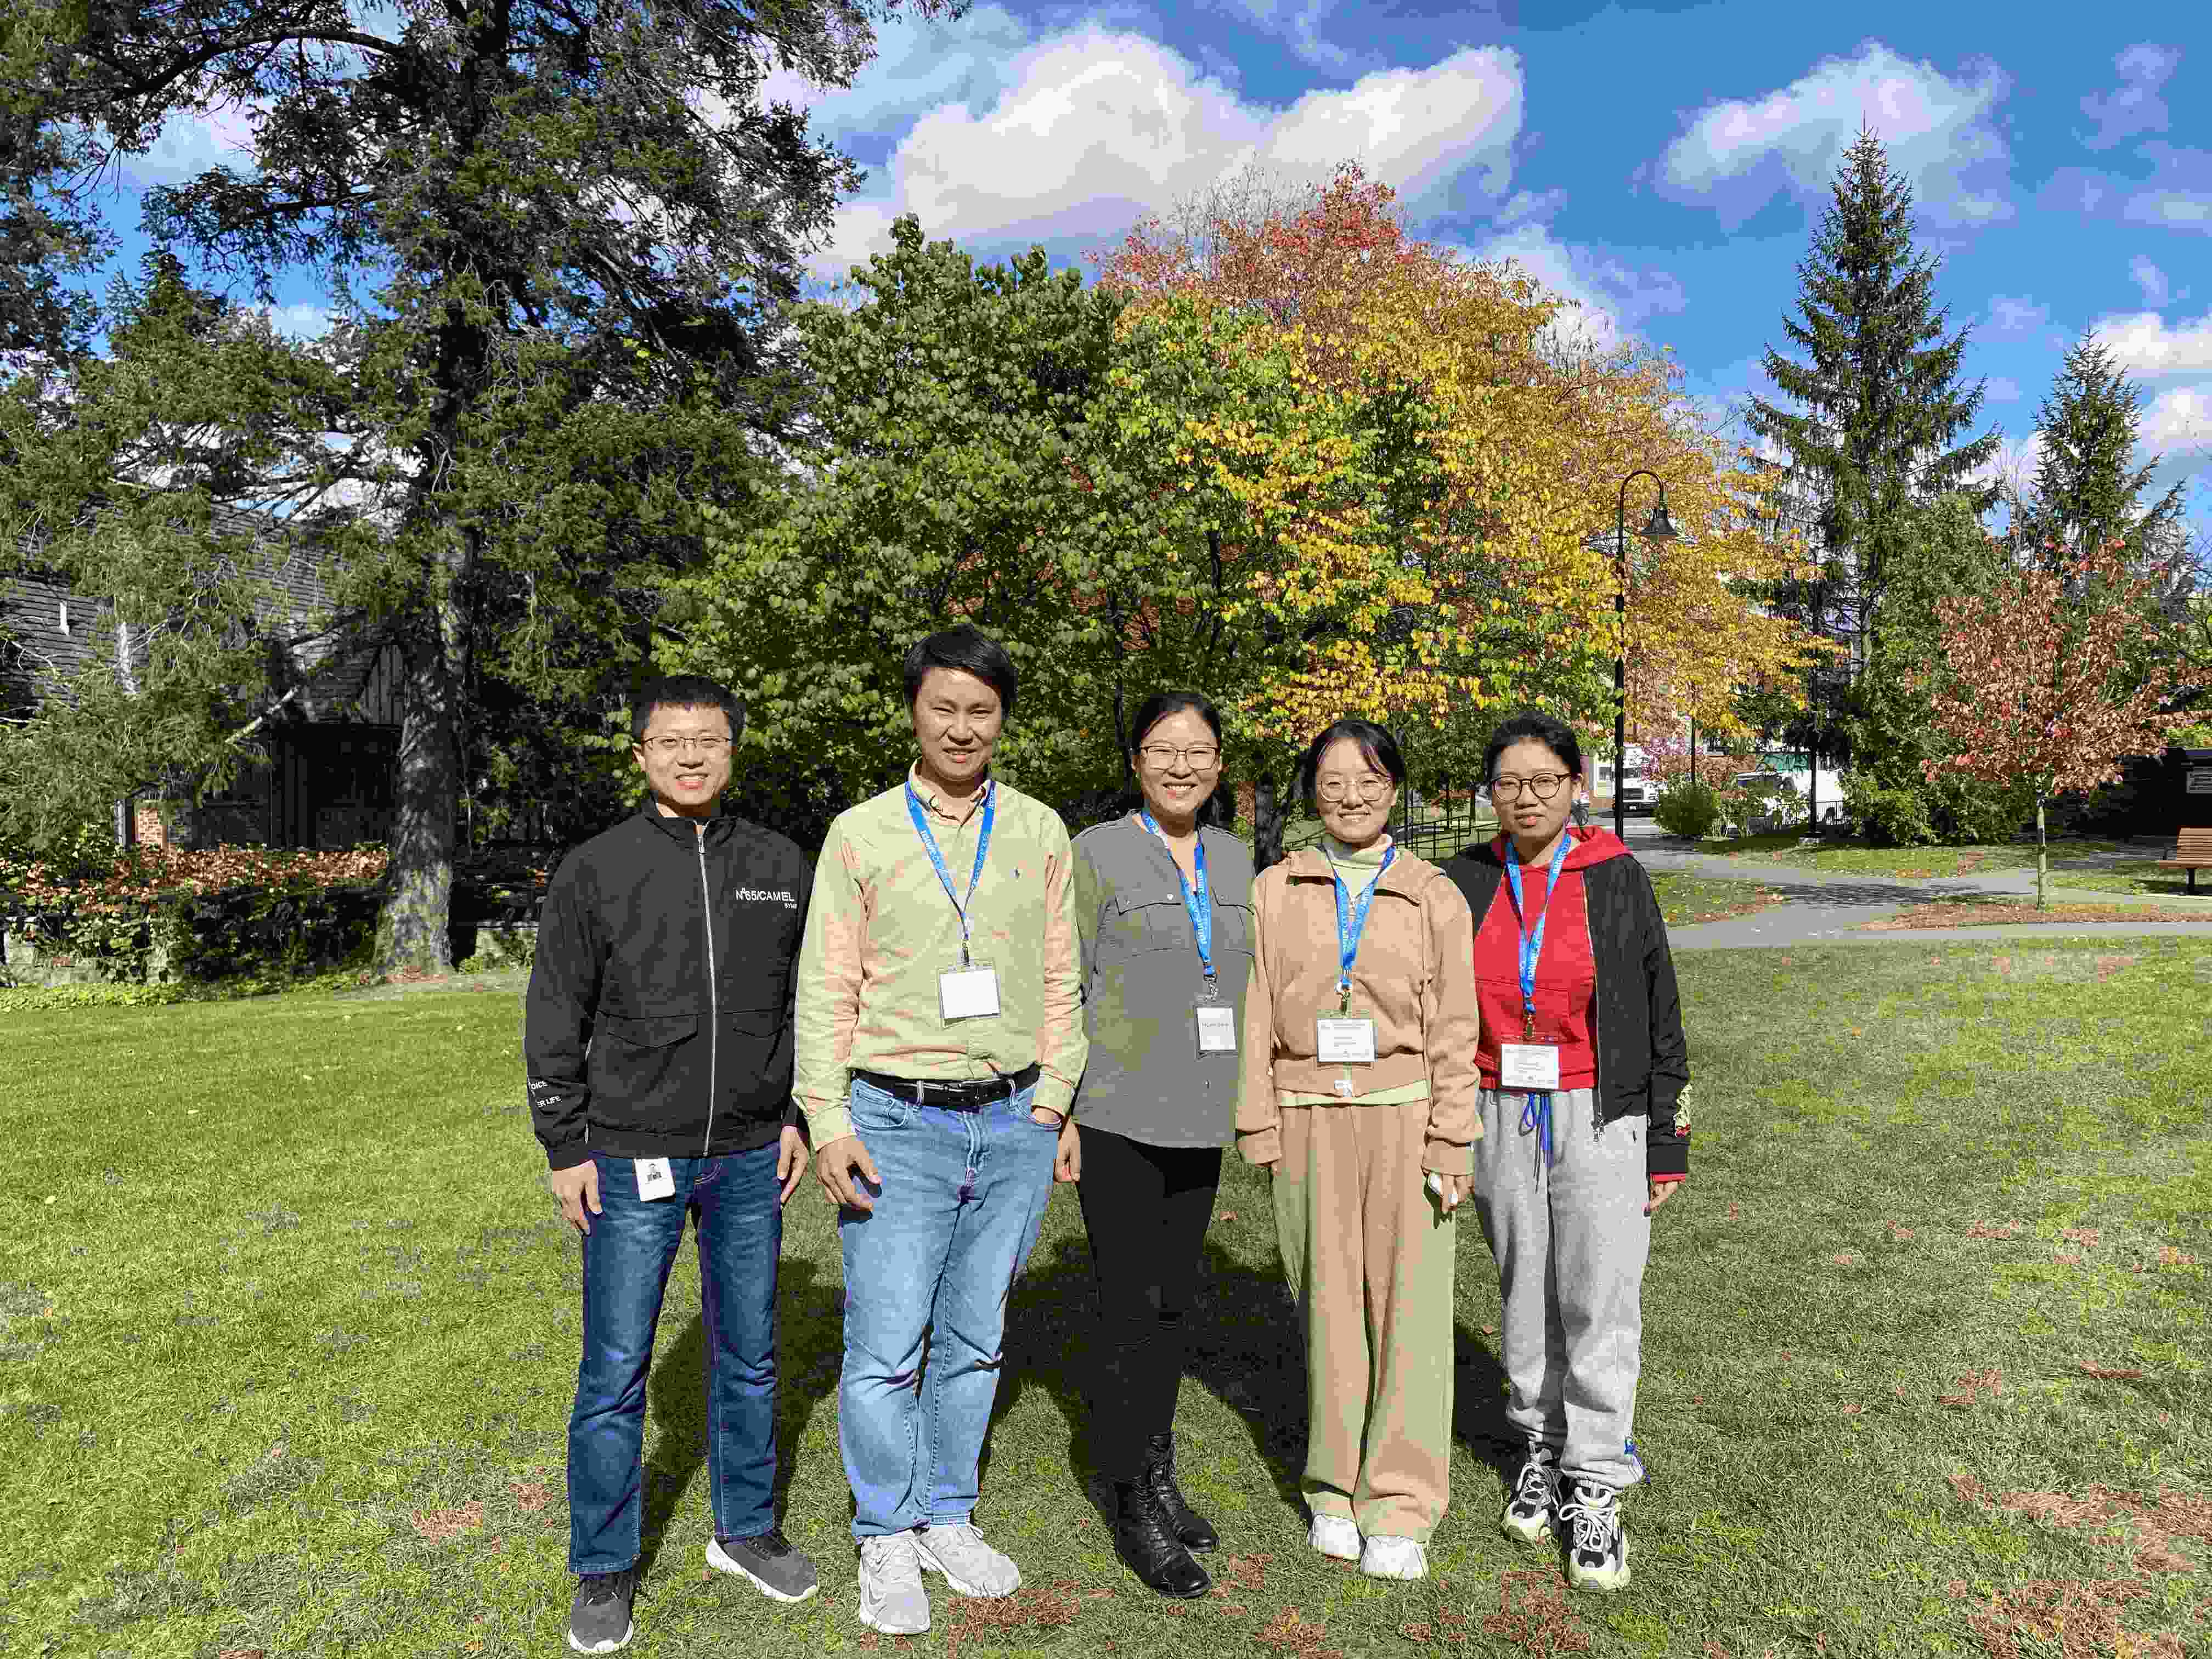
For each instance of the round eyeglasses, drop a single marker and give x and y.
(1543, 786)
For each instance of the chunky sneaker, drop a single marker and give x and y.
(1334, 1536)
(1536, 1498)
(970, 1567)
(1385, 1556)
(769, 1561)
(892, 1599)
(599, 1619)
(1597, 1546)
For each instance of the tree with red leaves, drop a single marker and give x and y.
(2041, 683)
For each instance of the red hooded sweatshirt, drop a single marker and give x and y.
(1566, 974)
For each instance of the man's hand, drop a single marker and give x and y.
(578, 1188)
(1659, 1192)
(1067, 1155)
(833, 1167)
(790, 1162)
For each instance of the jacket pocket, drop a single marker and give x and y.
(755, 1061)
(1159, 924)
(647, 1069)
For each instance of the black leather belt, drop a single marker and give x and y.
(953, 1097)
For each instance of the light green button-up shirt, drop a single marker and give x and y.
(881, 928)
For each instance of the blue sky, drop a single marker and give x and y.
(1662, 163)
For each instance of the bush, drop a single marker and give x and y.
(1687, 809)
(1759, 808)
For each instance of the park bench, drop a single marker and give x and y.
(2192, 851)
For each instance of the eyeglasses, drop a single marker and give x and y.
(1161, 756)
(1543, 786)
(664, 747)
(1370, 788)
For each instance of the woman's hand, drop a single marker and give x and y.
(1451, 1190)
(1659, 1192)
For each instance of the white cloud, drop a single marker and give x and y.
(2173, 209)
(1527, 208)
(2149, 348)
(1612, 299)
(2178, 421)
(2151, 280)
(2134, 106)
(1938, 131)
(1093, 128)
(302, 321)
(918, 64)
(192, 142)
(2010, 317)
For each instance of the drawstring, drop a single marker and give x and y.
(1536, 1114)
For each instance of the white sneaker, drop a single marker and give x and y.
(1334, 1536)
(970, 1567)
(892, 1599)
(1395, 1558)
(1597, 1544)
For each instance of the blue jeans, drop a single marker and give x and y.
(963, 1199)
(626, 1257)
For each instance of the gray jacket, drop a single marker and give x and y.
(1141, 985)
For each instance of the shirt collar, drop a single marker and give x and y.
(927, 793)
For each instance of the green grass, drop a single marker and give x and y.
(1946, 861)
(1685, 901)
(283, 1302)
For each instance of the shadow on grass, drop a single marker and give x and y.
(1245, 1349)
(810, 1347)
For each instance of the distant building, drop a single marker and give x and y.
(330, 706)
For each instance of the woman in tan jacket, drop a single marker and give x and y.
(1358, 1093)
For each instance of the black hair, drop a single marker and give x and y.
(1218, 809)
(685, 691)
(1533, 725)
(1376, 746)
(969, 649)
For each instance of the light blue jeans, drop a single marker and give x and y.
(963, 1199)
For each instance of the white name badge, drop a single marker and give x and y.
(1343, 1042)
(655, 1178)
(1217, 1029)
(1529, 1066)
(969, 992)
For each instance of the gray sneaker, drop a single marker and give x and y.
(892, 1599)
(769, 1561)
(970, 1567)
(599, 1619)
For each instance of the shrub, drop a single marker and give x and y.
(1687, 809)
(1768, 804)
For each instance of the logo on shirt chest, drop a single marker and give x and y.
(784, 896)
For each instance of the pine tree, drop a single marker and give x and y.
(2086, 484)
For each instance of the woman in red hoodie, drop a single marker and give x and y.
(1583, 1064)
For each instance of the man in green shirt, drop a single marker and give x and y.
(940, 1040)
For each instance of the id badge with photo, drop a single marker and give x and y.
(970, 991)
(1217, 1029)
(1529, 1066)
(655, 1178)
(1343, 1042)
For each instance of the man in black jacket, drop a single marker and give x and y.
(658, 1040)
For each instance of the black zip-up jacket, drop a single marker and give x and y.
(659, 1020)
(1642, 1063)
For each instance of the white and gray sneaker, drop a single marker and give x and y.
(1597, 1545)
(892, 1599)
(1534, 1500)
(970, 1567)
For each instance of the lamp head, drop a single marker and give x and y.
(1662, 528)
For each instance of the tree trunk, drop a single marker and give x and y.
(2042, 852)
(414, 930)
(1266, 824)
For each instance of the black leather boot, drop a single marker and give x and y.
(1195, 1531)
(1148, 1549)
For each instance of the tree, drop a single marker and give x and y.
(2035, 691)
(537, 216)
(2087, 489)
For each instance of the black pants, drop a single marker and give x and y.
(1146, 1209)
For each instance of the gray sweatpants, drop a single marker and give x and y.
(1571, 1243)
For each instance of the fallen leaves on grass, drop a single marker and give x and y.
(1997, 1230)
(2066, 1258)
(1735, 1212)
(1852, 1411)
(1971, 1387)
(1246, 1573)
(1288, 1631)
(530, 1496)
(242, 1653)
(1897, 1233)
(2170, 1257)
(1226, 1215)
(441, 1526)
(1042, 1606)
(2156, 1519)
(1843, 1258)
(2076, 1619)
(2085, 1237)
(1532, 1613)
(2111, 1374)
(1987, 913)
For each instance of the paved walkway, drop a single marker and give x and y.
(1820, 908)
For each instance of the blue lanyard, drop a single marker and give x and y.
(1350, 927)
(1536, 1103)
(920, 816)
(1198, 904)
(1532, 944)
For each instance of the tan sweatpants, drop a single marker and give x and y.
(1370, 1260)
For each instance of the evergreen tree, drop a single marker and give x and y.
(2086, 485)
(560, 235)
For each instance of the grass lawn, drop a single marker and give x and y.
(2065, 905)
(1946, 861)
(1685, 901)
(289, 1329)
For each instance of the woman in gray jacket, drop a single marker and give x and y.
(1163, 901)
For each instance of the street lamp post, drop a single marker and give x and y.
(1660, 529)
